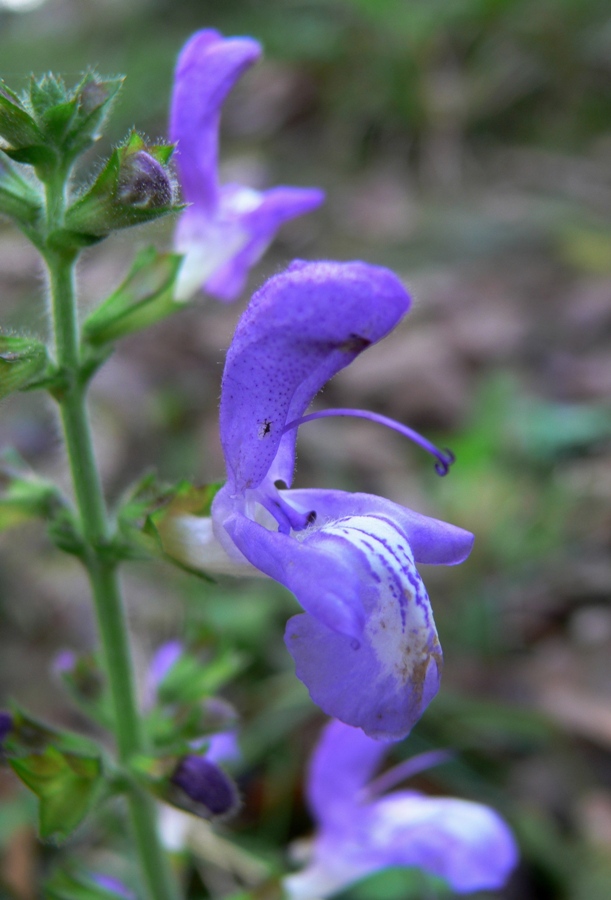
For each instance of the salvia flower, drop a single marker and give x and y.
(359, 832)
(225, 229)
(366, 645)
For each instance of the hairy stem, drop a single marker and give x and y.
(96, 531)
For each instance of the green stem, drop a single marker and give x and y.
(96, 531)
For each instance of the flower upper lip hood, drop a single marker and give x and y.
(366, 644)
(225, 229)
(359, 832)
(302, 327)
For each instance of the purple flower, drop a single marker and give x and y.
(366, 644)
(225, 230)
(360, 832)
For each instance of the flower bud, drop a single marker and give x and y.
(203, 788)
(135, 186)
(143, 182)
(6, 725)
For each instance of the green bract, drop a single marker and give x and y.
(23, 362)
(52, 124)
(19, 199)
(63, 769)
(146, 296)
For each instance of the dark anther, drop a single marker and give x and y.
(311, 517)
(446, 458)
(280, 484)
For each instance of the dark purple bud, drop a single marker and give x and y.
(6, 725)
(144, 182)
(211, 791)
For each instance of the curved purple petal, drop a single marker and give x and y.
(466, 843)
(207, 68)
(300, 328)
(257, 228)
(342, 763)
(334, 595)
(431, 540)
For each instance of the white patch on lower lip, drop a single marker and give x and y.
(399, 627)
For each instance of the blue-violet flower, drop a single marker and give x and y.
(366, 645)
(360, 832)
(225, 230)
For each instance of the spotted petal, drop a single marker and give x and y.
(299, 329)
(207, 68)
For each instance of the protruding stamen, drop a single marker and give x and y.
(288, 518)
(407, 769)
(444, 458)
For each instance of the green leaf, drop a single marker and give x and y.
(23, 361)
(66, 785)
(191, 679)
(172, 728)
(146, 296)
(46, 93)
(26, 496)
(18, 198)
(55, 124)
(17, 126)
(64, 771)
(95, 97)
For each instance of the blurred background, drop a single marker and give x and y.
(467, 145)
